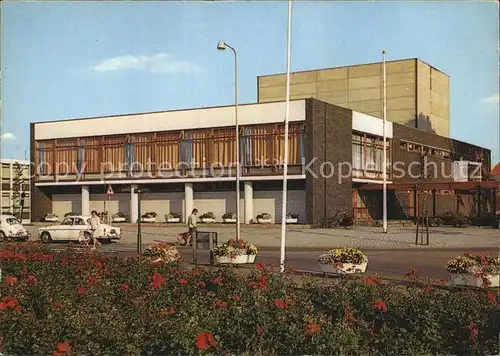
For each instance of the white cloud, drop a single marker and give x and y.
(157, 63)
(8, 136)
(492, 99)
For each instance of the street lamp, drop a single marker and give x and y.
(221, 46)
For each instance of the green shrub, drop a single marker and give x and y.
(454, 219)
(96, 304)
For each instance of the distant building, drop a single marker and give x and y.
(7, 173)
(418, 95)
(495, 172)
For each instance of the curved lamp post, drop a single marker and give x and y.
(221, 46)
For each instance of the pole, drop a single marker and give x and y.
(237, 144)
(139, 232)
(285, 165)
(384, 160)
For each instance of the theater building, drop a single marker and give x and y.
(186, 158)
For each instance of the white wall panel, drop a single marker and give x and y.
(171, 120)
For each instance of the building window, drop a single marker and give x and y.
(42, 159)
(129, 152)
(302, 147)
(80, 161)
(368, 156)
(245, 142)
(186, 152)
(403, 145)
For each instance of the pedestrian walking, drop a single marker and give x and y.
(95, 224)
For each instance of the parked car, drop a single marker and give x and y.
(72, 227)
(12, 229)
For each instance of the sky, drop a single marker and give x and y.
(81, 59)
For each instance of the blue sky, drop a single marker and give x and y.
(79, 59)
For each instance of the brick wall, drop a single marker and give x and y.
(329, 135)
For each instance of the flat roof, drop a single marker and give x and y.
(160, 111)
(354, 65)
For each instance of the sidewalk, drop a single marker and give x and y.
(362, 237)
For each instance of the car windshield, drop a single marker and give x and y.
(13, 221)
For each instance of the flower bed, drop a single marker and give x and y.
(235, 251)
(475, 270)
(343, 261)
(162, 252)
(104, 305)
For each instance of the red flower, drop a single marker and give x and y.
(217, 280)
(237, 298)
(204, 341)
(63, 348)
(259, 331)
(428, 288)
(158, 280)
(81, 290)
(183, 282)
(167, 311)
(91, 280)
(312, 328)
(124, 286)
(492, 298)
(21, 257)
(31, 279)
(260, 266)
(473, 331)
(279, 303)
(98, 264)
(106, 271)
(380, 305)
(3, 305)
(372, 333)
(10, 280)
(293, 270)
(220, 303)
(197, 271)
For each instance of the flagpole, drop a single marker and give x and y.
(384, 160)
(285, 165)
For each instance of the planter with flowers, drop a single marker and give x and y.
(229, 218)
(119, 217)
(474, 270)
(264, 218)
(173, 218)
(235, 251)
(51, 217)
(207, 218)
(343, 261)
(292, 218)
(149, 217)
(162, 252)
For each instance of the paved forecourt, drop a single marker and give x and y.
(300, 238)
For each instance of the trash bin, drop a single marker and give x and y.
(204, 243)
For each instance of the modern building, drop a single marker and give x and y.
(186, 158)
(418, 95)
(7, 174)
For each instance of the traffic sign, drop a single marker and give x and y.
(110, 190)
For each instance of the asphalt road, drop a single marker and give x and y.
(389, 263)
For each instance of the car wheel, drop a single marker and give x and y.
(46, 238)
(3, 238)
(106, 241)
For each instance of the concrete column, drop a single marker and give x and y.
(248, 202)
(188, 200)
(133, 204)
(85, 200)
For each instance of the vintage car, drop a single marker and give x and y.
(72, 228)
(12, 229)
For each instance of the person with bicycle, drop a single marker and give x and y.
(192, 226)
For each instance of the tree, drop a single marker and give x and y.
(422, 213)
(18, 182)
